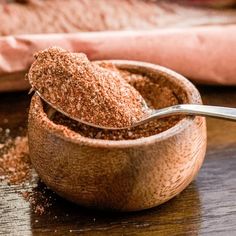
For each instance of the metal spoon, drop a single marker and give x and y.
(181, 109)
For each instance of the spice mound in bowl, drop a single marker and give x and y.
(85, 90)
(124, 170)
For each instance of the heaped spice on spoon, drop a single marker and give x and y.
(85, 90)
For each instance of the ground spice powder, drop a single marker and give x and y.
(85, 90)
(40, 198)
(15, 165)
(156, 96)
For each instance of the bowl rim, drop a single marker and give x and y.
(191, 91)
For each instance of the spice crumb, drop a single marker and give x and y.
(39, 210)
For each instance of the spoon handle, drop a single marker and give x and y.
(195, 109)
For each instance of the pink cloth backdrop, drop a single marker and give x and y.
(206, 55)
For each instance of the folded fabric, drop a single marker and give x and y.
(206, 55)
(72, 16)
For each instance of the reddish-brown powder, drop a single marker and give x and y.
(156, 94)
(85, 90)
(39, 200)
(14, 160)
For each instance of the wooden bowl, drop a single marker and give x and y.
(126, 175)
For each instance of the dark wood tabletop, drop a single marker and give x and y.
(206, 207)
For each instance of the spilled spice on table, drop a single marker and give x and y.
(40, 199)
(16, 169)
(15, 165)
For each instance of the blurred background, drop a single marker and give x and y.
(196, 38)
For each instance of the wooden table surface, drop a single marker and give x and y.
(206, 207)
